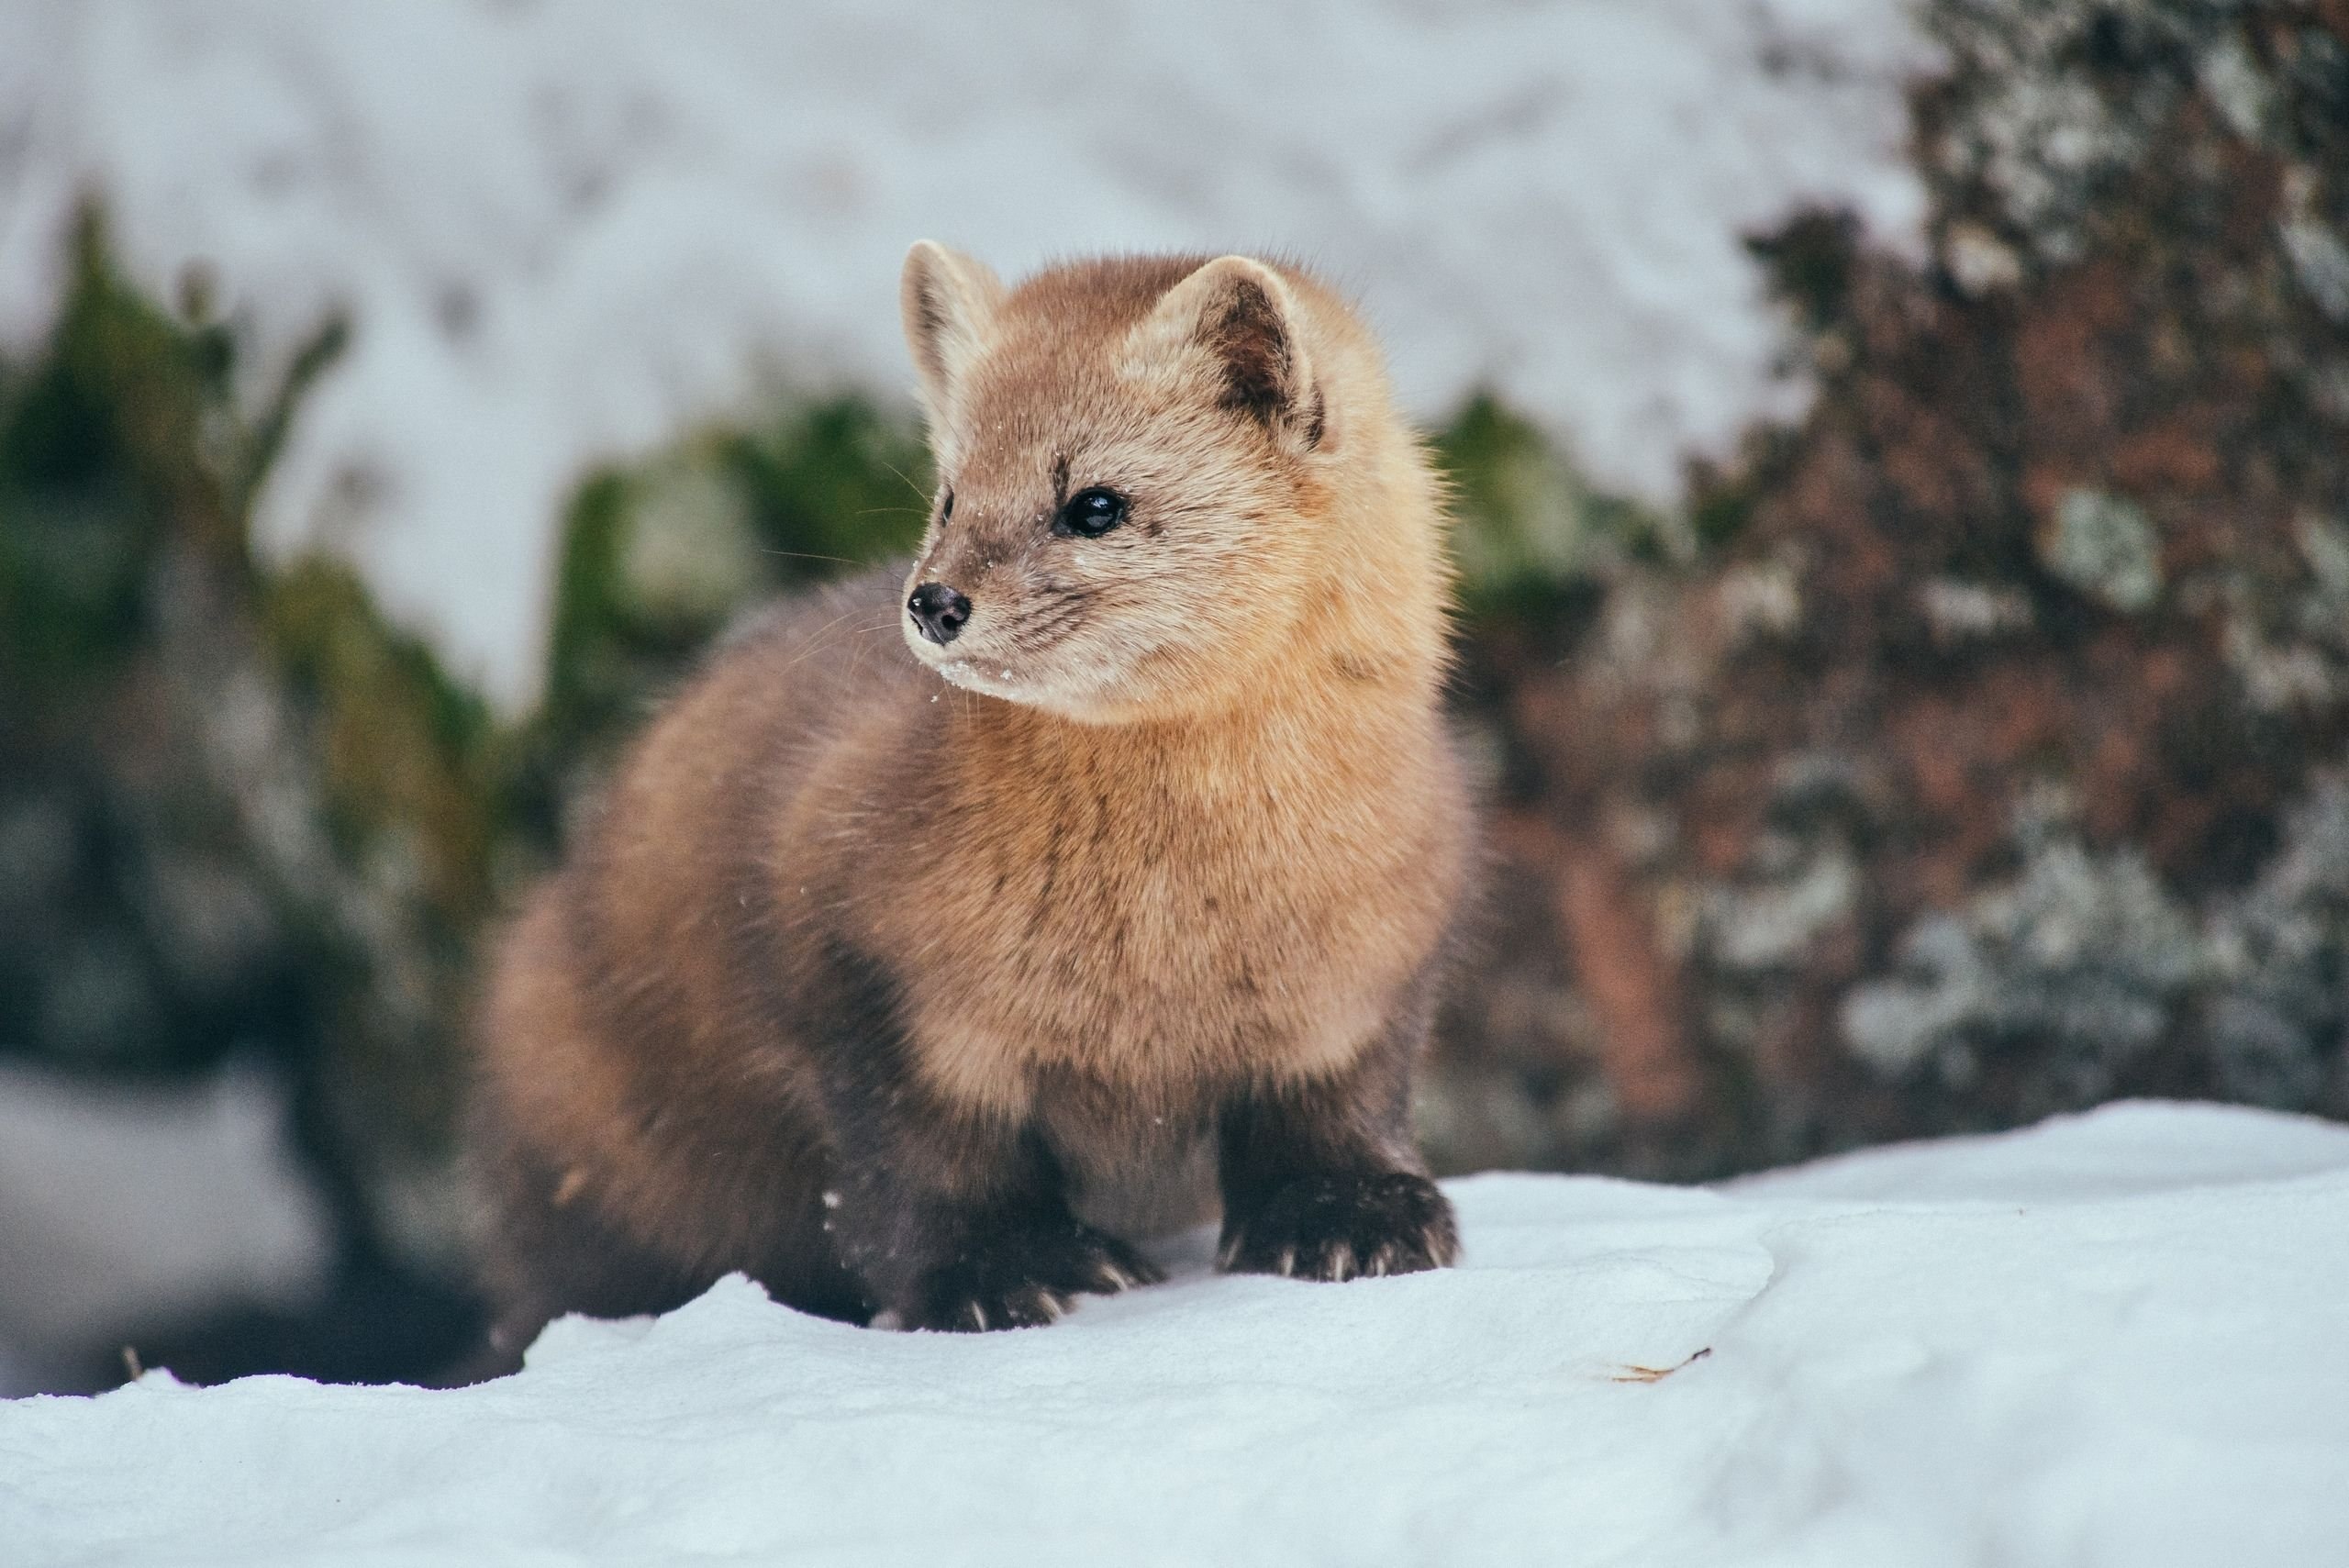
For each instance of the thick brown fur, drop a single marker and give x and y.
(917, 985)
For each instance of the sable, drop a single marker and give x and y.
(958, 928)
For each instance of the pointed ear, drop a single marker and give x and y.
(949, 303)
(1244, 317)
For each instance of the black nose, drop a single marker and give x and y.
(940, 611)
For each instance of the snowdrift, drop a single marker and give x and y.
(2121, 1339)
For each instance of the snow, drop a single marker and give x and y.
(564, 232)
(2121, 1338)
(144, 1205)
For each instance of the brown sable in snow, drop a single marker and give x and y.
(954, 929)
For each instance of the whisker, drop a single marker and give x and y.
(805, 555)
(916, 489)
(818, 644)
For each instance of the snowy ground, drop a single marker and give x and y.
(2118, 1339)
(564, 231)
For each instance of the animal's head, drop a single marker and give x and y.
(1138, 463)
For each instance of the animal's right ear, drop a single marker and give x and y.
(949, 302)
(1237, 315)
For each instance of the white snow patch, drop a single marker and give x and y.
(2027, 1350)
(564, 231)
(122, 1206)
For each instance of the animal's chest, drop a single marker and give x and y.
(1159, 956)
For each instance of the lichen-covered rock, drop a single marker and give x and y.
(1981, 759)
(2083, 959)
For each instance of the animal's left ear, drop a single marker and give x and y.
(1243, 317)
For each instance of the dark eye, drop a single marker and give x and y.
(946, 506)
(1090, 513)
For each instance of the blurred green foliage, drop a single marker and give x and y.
(1526, 524)
(658, 557)
(240, 812)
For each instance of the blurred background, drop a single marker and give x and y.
(1902, 456)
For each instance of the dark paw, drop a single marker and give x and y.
(1019, 1279)
(1334, 1228)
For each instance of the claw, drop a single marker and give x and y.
(1344, 1227)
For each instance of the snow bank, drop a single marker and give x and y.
(564, 230)
(2118, 1339)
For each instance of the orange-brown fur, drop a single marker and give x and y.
(871, 956)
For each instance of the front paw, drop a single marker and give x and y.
(1336, 1227)
(1018, 1279)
